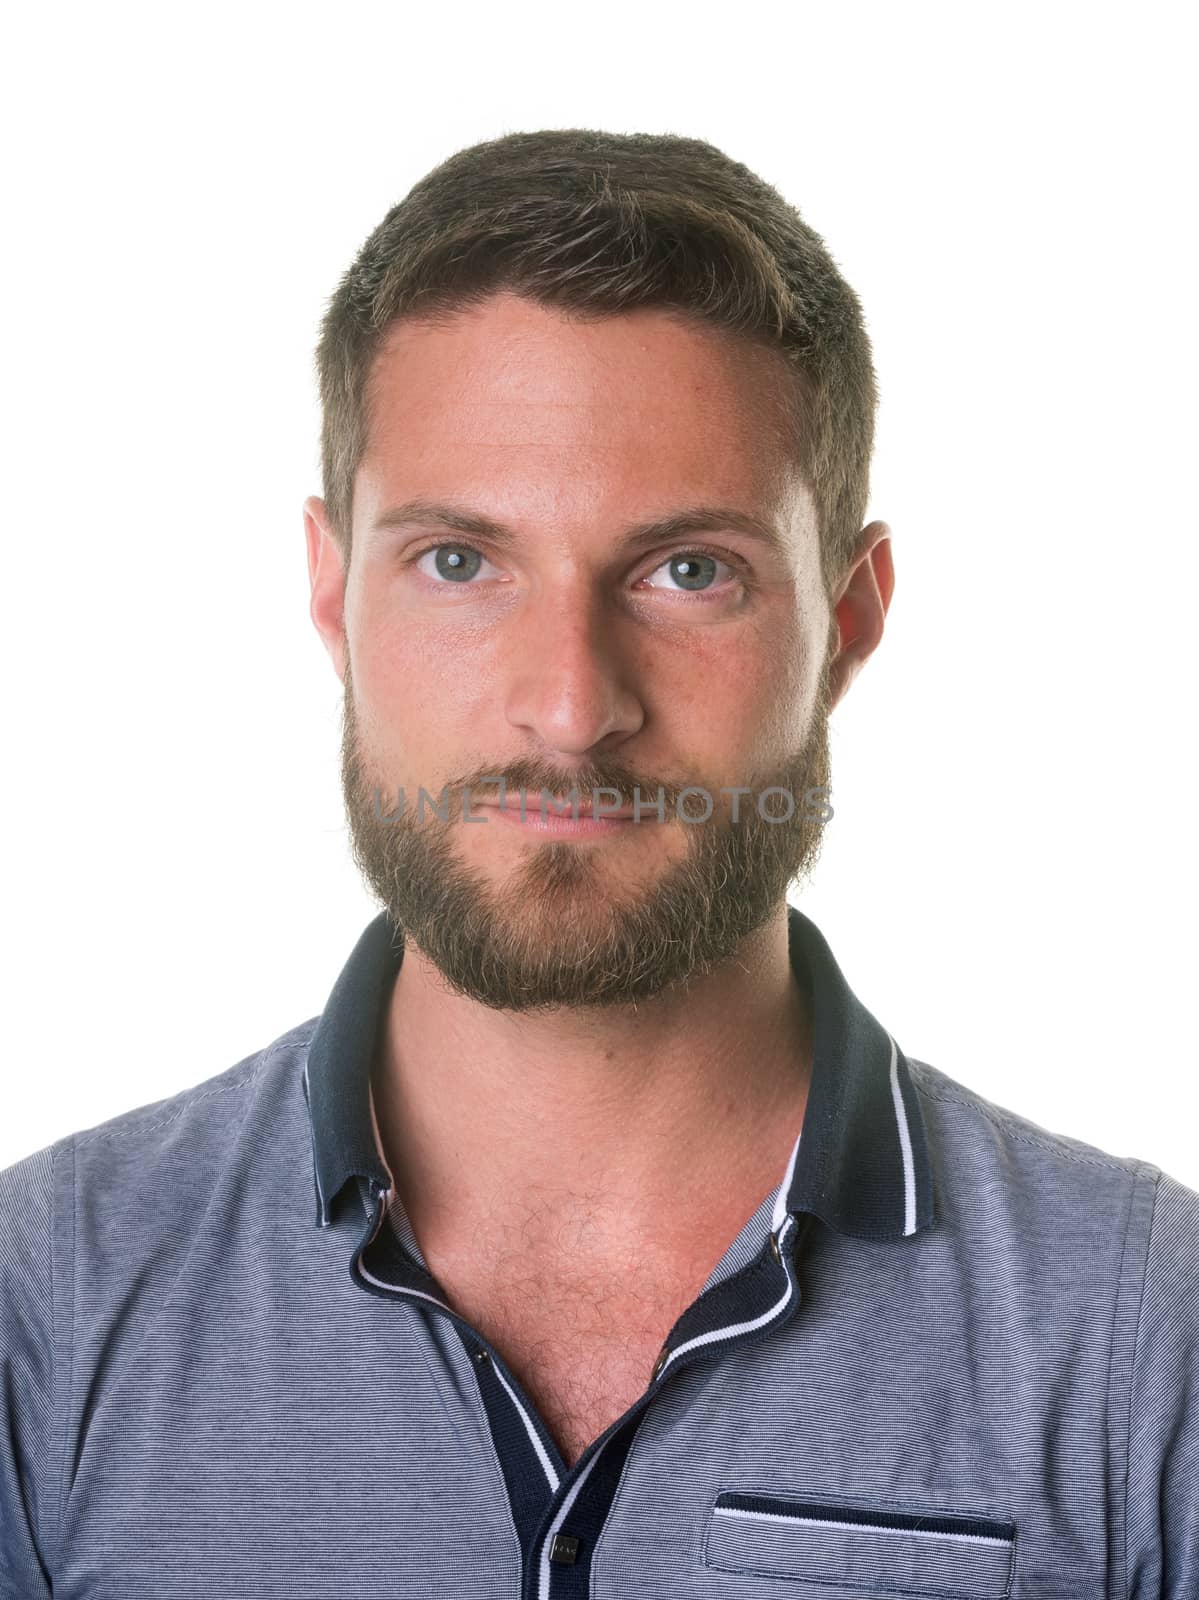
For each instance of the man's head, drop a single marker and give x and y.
(597, 427)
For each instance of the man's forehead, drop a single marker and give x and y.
(509, 352)
(519, 430)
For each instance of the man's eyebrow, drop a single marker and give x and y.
(661, 530)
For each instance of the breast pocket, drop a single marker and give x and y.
(878, 1548)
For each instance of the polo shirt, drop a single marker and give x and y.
(953, 1354)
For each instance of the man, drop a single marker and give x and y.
(595, 1239)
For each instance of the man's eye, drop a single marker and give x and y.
(453, 563)
(691, 570)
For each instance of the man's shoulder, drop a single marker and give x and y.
(177, 1128)
(963, 1111)
(97, 1227)
(987, 1155)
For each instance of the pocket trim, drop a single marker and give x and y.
(939, 1552)
(977, 1529)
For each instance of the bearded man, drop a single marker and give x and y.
(595, 1239)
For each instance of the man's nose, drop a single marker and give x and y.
(571, 682)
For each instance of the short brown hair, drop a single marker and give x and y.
(602, 223)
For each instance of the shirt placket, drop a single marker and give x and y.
(559, 1528)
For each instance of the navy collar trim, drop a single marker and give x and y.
(862, 1165)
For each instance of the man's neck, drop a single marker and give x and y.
(642, 1118)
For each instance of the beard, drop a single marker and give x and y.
(558, 931)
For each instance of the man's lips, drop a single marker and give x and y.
(535, 807)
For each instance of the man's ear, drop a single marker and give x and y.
(860, 608)
(327, 578)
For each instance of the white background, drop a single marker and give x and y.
(1009, 879)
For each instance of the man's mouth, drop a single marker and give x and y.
(560, 813)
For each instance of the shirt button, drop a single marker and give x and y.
(659, 1364)
(564, 1549)
(774, 1246)
(481, 1356)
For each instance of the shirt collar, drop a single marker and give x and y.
(862, 1166)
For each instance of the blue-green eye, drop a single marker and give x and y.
(692, 570)
(456, 563)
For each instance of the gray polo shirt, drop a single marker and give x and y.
(953, 1355)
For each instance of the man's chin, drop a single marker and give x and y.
(558, 869)
(561, 906)
(567, 938)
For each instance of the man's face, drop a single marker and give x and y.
(565, 654)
